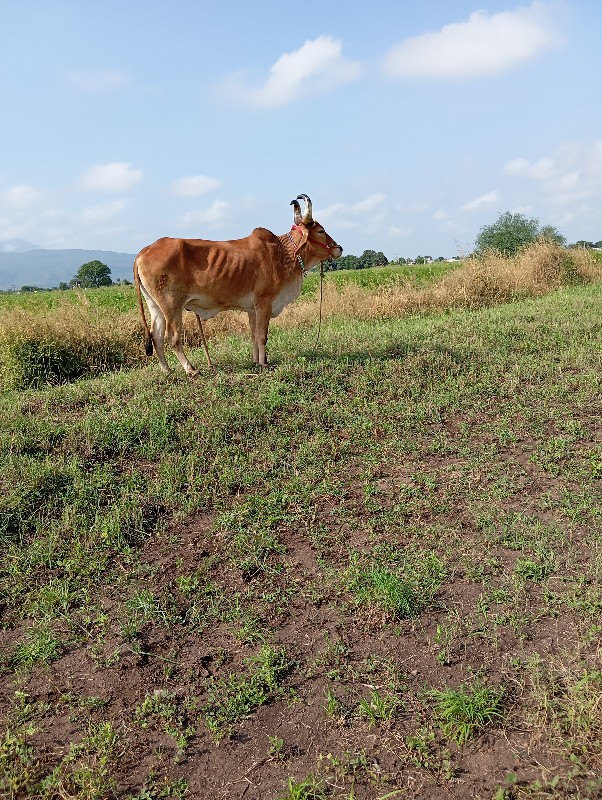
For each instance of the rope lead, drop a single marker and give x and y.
(320, 314)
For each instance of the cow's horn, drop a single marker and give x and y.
(297, 208)
(307, 216)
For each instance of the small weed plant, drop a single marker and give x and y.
(463, 712)
(379, 708)
(311, 788)
(380, 588)
(236, 697)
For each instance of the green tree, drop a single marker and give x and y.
(510, 232)
(92, 274)
(347, 262)
(552, 234)
(370, 258)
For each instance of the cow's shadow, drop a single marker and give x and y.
(421, 356)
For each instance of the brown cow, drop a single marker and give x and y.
(259, 274)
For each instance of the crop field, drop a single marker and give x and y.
(372, 571)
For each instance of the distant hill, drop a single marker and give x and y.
(47, 268)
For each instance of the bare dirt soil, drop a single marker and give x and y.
(332, 644)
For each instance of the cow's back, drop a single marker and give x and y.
(217, 271)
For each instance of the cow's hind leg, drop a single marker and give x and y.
(157, 329)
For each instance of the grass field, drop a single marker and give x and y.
(373, 571)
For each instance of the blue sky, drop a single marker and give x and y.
(410, 125)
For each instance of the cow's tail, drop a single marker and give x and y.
(148, 346)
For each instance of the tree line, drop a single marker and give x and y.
(507, 235)
(90, 275)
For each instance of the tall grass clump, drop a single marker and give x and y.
(39, 348)
(480, 281)
(535, 270)
(491, 278)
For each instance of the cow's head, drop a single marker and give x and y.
(319, 245)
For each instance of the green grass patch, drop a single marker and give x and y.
(465, 711)
(400, 584)
(236, 697)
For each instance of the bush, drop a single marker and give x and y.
(38, 349)
(511, 232)
(31, 363)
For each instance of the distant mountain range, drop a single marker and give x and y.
(24, 264)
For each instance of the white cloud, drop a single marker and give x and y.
(399, 230)
(481, 202)
(117, 176)
(526, 209)
(350, 216)
(19, 205)
(214, 215)
(103, 212)
(485, 44)
(194, 185)
(50, 225)
(97, 80)
(21, 196)
(317, 66)
(416, 207)
(540, 170)
(572, 174)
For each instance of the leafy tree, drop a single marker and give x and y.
(347, 262)
(370, 258)
(584, 244)
(510, 232)
(552, 234)
(330, 265)
(92, 274)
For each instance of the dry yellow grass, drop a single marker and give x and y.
(62, 344)
(77, 338)
(484, 281)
